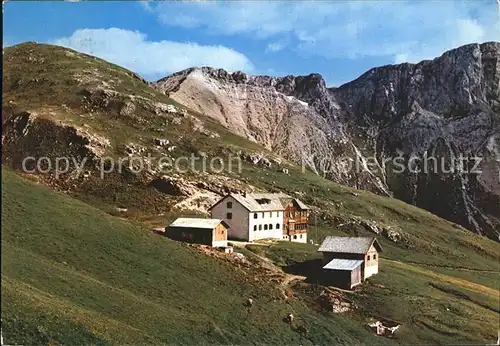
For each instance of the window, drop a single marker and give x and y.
(368, 258)
(270, 226)
(295, 237)
(255, 227)
(374, 256)
(254, 215)
(260, 227)
(301, 236)
(229, 216)
(229, 205)
(265, 227)
(263, 214)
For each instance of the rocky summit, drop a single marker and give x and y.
(426, 133)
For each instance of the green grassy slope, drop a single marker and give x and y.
(52, 81)
(433, 307)
(44, 73)
(74, 275)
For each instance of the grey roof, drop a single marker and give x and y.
(358, 245)
(189, 222)
(301, 204)
(276, 201)
(251, 201)
(343, 264)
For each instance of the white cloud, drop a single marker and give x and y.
(275, 47)
(153, 59)
(401, 30)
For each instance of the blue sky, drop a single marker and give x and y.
(338, 39)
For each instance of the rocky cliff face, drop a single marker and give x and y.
(296, 117)
(427, 133)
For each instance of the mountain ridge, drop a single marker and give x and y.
(240, 75)
(389, 110)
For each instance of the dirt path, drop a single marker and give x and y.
(287, 279)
